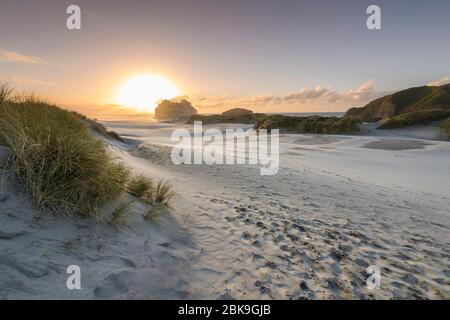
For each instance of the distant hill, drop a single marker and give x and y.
(237, 112)
(405, 101)
(235, 116)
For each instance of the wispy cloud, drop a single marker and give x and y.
(440, 82)
(11, 56)
(320, 94)
(18, 79)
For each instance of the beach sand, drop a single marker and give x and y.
(337, 205)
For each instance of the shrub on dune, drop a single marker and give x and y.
(56, 159)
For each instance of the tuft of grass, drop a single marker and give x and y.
(446, 127)
(141, 186)
(6, 93)
(163, 193)
(155, 213)
(56, 159)
(121, 214)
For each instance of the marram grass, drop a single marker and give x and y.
(140, 186)
(56, 159)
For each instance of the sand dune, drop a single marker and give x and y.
(309, 232)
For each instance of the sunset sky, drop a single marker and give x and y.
(270, 56)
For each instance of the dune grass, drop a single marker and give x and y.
(6, 93)
(121, 214)
(56, 159)
(144, 188)
(140, 186)
(446, 127)
(163, 193)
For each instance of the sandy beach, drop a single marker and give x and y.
(337, 205)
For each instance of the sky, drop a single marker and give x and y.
(269, 56)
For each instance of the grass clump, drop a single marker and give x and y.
(446, 127)
(311, 124)
(163, 193)
(56, 159)
(143, 187)
(140, 186)
(121, 214)
(6, 93)
(415, 118)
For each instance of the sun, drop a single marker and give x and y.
(144, 92)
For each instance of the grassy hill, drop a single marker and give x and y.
(415, 118)
(405, 101)
(311, 124)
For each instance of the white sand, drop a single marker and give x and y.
(335, 207)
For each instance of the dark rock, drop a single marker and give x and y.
(169, 110)
(303, 285)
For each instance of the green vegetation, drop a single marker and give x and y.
(311, 124)
(415, 118)
(405, 101)
(446, 127)
(56, 159)
(243, 118)
(163, 193)
(141, 186)
(5, 93)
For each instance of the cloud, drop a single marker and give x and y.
(11, 56)
(24, 80)
(440, 82)
(304, 96)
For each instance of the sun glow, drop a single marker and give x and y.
(144, 92)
